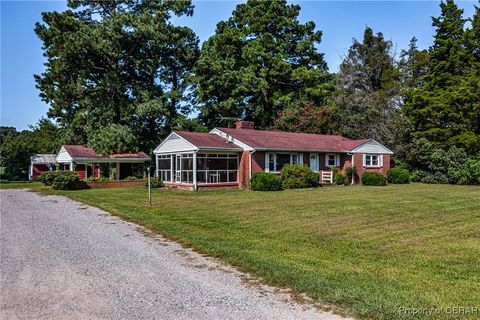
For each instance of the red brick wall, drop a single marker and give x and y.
(258, 162)
(258, 165)
(114, 184)
(243, 170)
(360, 169)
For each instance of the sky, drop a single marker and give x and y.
(340, 22)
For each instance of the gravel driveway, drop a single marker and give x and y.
(61, 259)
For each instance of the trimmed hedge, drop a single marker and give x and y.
(298, 176)
(398, 176)
(373, 179)
(48, 177)
(341, 179)
(66, 180)
(62, 180)
(264, 181)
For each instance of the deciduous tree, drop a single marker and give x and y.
(117, 62)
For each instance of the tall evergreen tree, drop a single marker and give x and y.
(445, 110)
(119, 63)
(413, 65)
(367, 89)
(259, 62)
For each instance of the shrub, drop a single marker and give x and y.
(341, 179)
(155, 182)
(471, 172)
(298, 176)
(373, 179)
(349, 171)
(48, 177)
(66, 180)
(264, 181)
(133, 178)
(398, 176)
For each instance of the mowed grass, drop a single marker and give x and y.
(19, 185)
(367, 251)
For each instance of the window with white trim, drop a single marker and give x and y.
(274, 162)
(331, 160)
(372, 160)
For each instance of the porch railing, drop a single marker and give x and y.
(326, 176)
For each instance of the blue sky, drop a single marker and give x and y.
(340, 21)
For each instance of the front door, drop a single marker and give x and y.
(178, 169)
(314, 162)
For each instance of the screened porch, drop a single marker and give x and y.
(198, 168)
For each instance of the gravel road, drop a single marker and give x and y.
(61, 259)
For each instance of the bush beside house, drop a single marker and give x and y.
(155, 182)
(298, 176)
(398, 176)
(341, 179)
(48, 177)
(264, 181)
(373, 179)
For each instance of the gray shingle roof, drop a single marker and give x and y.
(45, 158)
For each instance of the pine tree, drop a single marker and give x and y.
(117, 64)
(444, 110)
(259, 62)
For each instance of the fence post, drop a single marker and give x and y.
(149, 189)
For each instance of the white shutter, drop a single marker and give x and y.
(380, 160)
(364, 160)
(267, 163)
(337, 160)
(300, 158)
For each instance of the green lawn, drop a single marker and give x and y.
(366, 251)
(20, 185)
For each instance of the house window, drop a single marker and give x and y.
(331, 160)
(373, 160)
(271, 162)
(283, 159)
(276, 161)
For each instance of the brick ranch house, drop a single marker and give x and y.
(230, 156)
(85, 162)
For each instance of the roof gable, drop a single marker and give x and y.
(372, 146)
(182, 141)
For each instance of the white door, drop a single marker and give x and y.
(314, 162)
(178, 168)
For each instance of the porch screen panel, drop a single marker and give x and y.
(217, 168)
(164, 167)
(187, 168)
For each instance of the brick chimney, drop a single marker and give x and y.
(242, 124)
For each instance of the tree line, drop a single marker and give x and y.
(119, 76)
